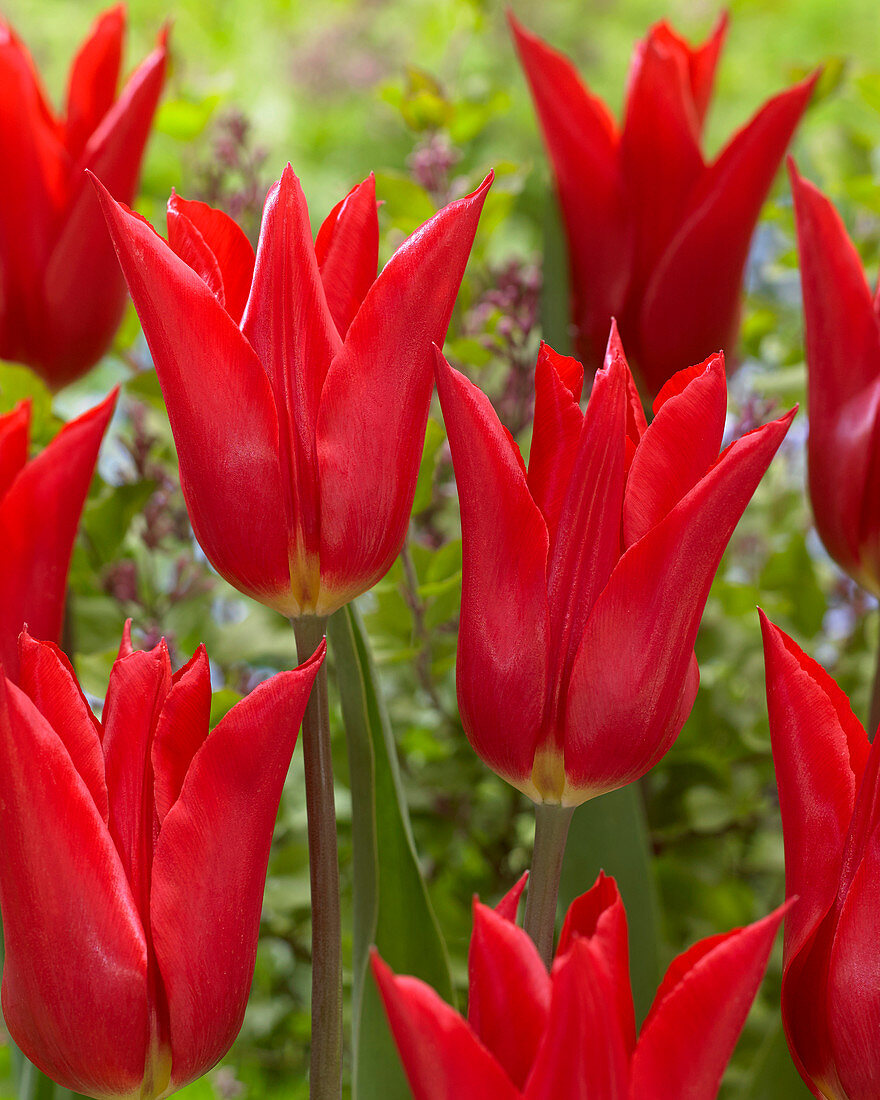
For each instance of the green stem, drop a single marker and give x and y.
(325, 1072)
(874, 713)
(551, 830)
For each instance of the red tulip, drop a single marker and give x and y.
(829, 794)
(40, 506)
(843, 360)
(297, 385)
(62, 294)
(133, 861)
(531, 1035)
(585, 577)
(657, 237)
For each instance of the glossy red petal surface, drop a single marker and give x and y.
(374, 407)
(74, 975)
(91, 88)
(702, 63)
(442, 1057)
(39, 516)
(504, 631)
(689, 1036)
(347, 249)
(181, 729)
(210, 868)
(15, 430)
(508, 907)
(221, 410)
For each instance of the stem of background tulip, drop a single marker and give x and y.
(551, 830)
(874, 713)
(325, 1071)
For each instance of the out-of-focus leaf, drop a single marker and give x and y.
(106, 520)
(434, 437)
(18, 383)
(185, 119)
(773, 1075)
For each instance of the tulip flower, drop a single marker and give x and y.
(829, 795)
(297, 383)
(585, 576)
(534, 1035)
(843, 372)
(63, 296)
(133, 861)
(40, 506)
(657, 236)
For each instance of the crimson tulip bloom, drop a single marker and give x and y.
(298, 384)
(571, 1033)
(829, 794)
(585, 577)
(842, 318)
(40, 506)
(657, 237)
(133, 861)
(63, 296)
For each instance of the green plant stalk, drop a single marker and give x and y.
(325, 1072)
(551, 831)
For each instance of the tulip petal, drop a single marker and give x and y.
(221, 410)
(181, 729)
(702, 63)
(39, 516)
(15, 430)
(94, 75)
(631, 673)
(347, 250)
(210, 868)
(583, 1055)
(78, 1012)
(599, 916)
(676, 451)
(442, 1057)
(508, 907)
(509, 992)
(504, 632)
(374, 407)
(582, 142)
(707, 992)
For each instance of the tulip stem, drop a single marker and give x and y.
(874, 713)
(551, 831)
(325, 1072)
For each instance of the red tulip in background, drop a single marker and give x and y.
(829, 794)
(62, 294)
(133, 861)
(657, 237)
(297, 386)
(40, 506)
(843, 366)
(571, 1033)
(585, 577)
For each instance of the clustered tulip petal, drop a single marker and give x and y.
(133, 861)
(657, 237)
(62, 291)
(534, 1035)
(40, 506)
(585, 576)
(828, 776)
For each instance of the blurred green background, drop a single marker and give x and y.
(429, 95)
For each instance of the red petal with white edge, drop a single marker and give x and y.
(582, 141)
(74, 975)
(83, 292)
(508, 992)
(221, 410)
(691, 305)
(15, 430)
(195, 226)
(39, 516)
(695, 1021)
(599, 915)
(374, 407)
(556, 432)
(46, 676)
(210, 864)
(181, 729)
(843, 357)
(676, 451)
(504, 632)
(583, 1055)
(631, 672)
(442, 1057)
(94, 75)
(347, 250)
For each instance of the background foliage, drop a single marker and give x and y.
(429, 96)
